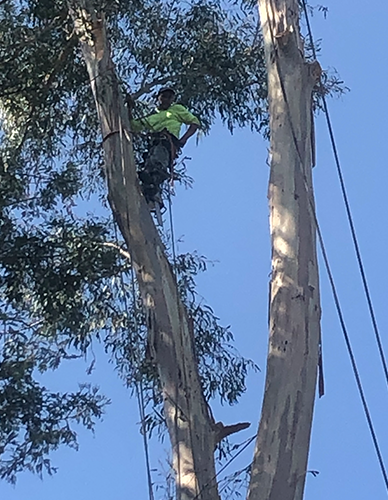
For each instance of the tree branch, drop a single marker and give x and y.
(222, 431)
(146, 88)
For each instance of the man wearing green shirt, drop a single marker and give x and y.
(165, 124)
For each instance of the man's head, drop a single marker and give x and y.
(166, 97)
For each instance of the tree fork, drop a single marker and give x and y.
(190, 425)
(280, 460)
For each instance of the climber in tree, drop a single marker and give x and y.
(165, 124)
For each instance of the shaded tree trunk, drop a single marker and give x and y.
(280, 461)
(191, 428)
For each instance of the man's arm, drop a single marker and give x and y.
(190, 120)
(136, 125)
(193, 127)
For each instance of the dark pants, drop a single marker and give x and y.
(157, 167)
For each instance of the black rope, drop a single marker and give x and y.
(172, 228)
(232, 459)
(348, 211)
(176, 395)
(138, 383)
(332, 283)
(174, 257)
(140, 399)
(352, 359)
(360, 265)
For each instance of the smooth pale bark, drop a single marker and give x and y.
(191, 428)
(280, 461)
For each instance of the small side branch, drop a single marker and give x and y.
(222, 431)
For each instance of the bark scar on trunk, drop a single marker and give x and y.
(283, 38)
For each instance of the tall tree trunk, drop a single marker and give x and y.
(191, 427)
(280, 460)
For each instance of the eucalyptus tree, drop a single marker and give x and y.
(66, 275)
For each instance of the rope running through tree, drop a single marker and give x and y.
(138, 385)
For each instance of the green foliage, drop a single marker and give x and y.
(60, 274)
(55, 296)
(33, 420)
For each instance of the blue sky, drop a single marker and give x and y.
(225, 217)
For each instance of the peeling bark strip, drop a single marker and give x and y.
(280, 461)
(190, 426)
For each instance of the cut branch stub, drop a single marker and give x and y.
(222, 431)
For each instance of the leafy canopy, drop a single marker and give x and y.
(64, 275)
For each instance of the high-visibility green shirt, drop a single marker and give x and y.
(170, 119)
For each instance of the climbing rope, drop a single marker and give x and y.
(139, 390)
(231, 460)
(175, 403)
(138, 384)
(348, 211)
